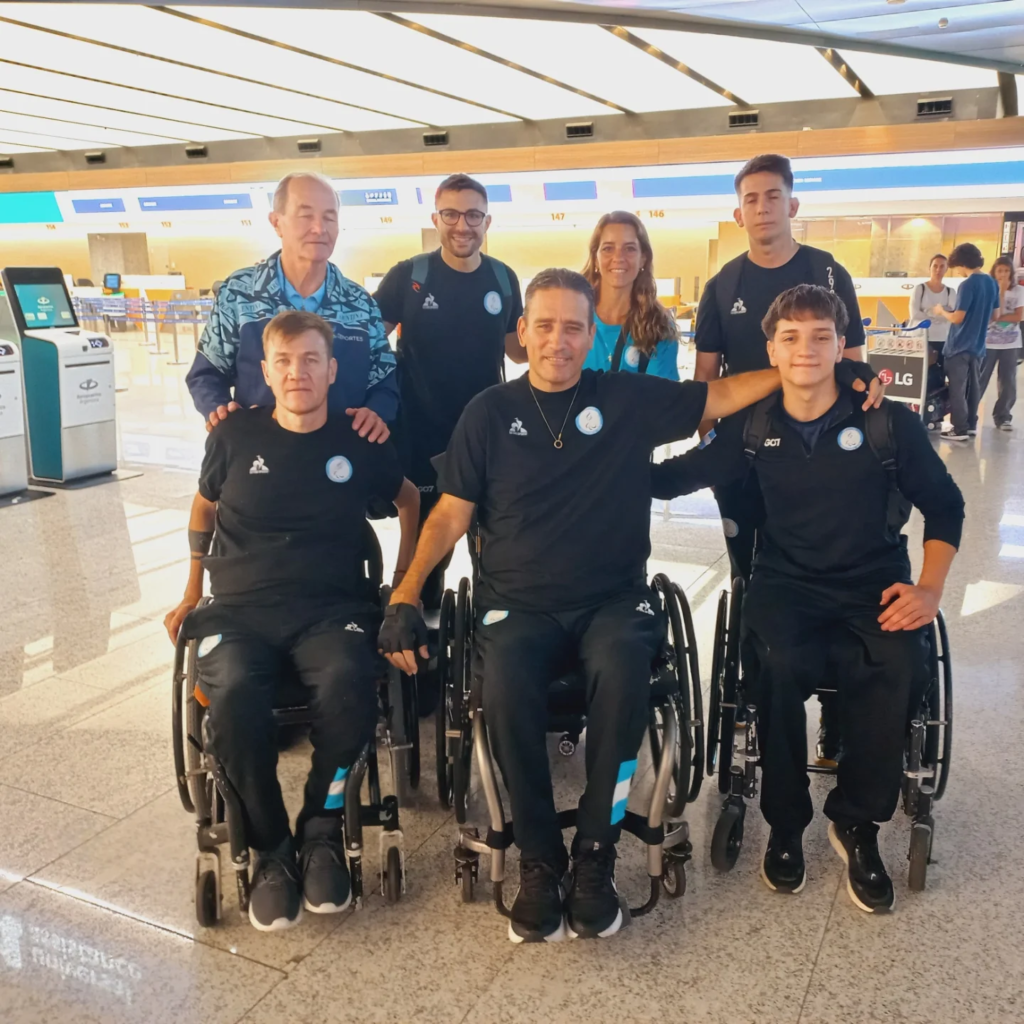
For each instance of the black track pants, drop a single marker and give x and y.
(241, 665)
(800, 633)
(522, 654)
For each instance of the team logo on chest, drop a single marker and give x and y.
(258, 467)
(339, 470)
(632, 356)
(517, 429)
(492, 303)
(738, 307)
(850, 439)
(430, 302)
(590, 420)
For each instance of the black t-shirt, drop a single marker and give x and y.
(826, 511)
(452, 348)
(736, 332)
(291, 508)
(565, 528)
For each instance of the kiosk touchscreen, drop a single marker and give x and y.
(69, 379)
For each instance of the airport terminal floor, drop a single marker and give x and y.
(97, 857)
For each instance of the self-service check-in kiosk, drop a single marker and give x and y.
(68, 378)
(13, 460)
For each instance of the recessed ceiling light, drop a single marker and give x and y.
(895, 1)
(943, 22)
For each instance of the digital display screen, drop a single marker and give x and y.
(44, 305)
(112, 281)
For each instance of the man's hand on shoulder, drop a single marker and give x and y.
(369, 425)
(403, 635)
(220, 413)
(858, 375)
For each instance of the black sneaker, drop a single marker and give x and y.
(783, 866)
(275, 902)
(536, 914)
(867, 881)
(326, 886)
(592, 909)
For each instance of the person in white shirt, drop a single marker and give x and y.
(930, 293)
(1003, 341)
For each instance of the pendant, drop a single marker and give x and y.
(558, 442)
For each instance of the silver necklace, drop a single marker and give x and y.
(557, 440)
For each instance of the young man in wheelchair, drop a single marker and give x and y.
(282, 497)
(831, 593)
(556, 466)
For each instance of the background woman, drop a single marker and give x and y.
(1003, 341)
(635, 332)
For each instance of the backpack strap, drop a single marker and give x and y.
(756, 428)
(882, 441)
(500, 272)
(414, 294)
(620, 348)
(726, 282)
(420, 268)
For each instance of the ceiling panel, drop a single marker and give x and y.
(79, 112)
(884, 74)
(44, 140)
(204, 116)
(585, 56)
(101, 136)
(382, 46)
(12, 149)
(178, 39)
(756, 70)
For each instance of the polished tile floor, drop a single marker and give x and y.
(97, 856)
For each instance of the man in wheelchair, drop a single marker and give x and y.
(831, 594)
(556, 466)
(282, 497)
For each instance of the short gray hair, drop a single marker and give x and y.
(565, 280)
(281, 192)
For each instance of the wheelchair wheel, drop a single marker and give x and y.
(920, 854)
(696, 707)
(207, 909)
(411, 712)
(728, 837)
(178, 725)
(443, 713)
(461, 660)
(200, 783)
(673, 877)
(730, 686)
(717, 670)
(941, 708)
(393, 875)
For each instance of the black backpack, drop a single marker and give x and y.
(421, 268)
(880, 437)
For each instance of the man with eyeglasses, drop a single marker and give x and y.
(458, 311)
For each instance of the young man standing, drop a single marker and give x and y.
(533, 458)
(831, 587)
(977, 299)
(457, 310)
(285, 490)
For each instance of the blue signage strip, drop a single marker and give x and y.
(1010, 172)
(368, 197)
(558, 191)
(499, 193)
(98, 205)
(169, 204)
(29, 208)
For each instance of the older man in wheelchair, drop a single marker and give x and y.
(556, 467)
(831, 593)
(282, 497)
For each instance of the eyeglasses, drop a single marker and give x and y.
(474, 218)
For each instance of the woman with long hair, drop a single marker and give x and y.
(1003, 341)
(635, 332)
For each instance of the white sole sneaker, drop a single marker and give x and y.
(841, 850)
(610, 930)
(784, 892)
(282, 924)
(327, 908)
(558, 935)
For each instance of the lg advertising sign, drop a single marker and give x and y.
(901, 375)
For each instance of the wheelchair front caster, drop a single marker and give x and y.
(567, 744)
(673, 877)
(919, 856)
(728, 836)
(207, 900)
(392, 880)
(466, 871)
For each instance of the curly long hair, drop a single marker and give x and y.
(648, 321)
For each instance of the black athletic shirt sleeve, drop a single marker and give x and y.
(671, 409)
(463, 472)
(387, 471)
(846, 291)
(924, 480)
(214, 470)
(707, 334)
(389, 293)
(717, 463)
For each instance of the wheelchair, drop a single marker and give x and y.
(676, 733)
(207, 793)
(733, 752)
